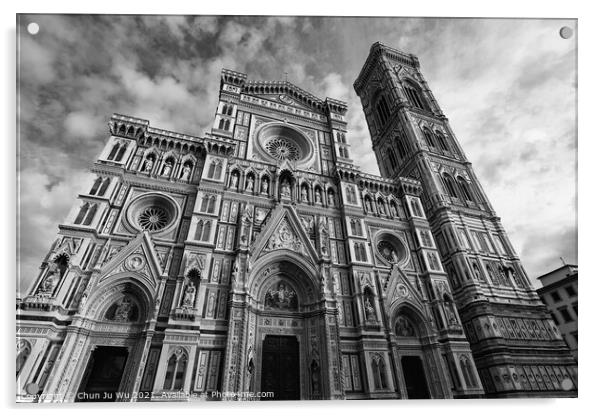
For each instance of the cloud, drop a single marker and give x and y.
(507, 87)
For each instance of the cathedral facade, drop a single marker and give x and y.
(259, 262)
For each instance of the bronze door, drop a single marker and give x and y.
(413, 374)
(103, 374)
(280, 367)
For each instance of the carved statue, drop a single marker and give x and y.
(264, 185)
(370, 313)
(47, 286)
(234, 180)
(185, 173)
(318, 197)
(281, 298)
(82, 301)
(251, 367)
(381, 207)
(315, 377)
(124, 309)
(404, 328)
(453, 320)
(148, 165)
(331, 199)
(166, 169)
(189, 295)
(248, 214)
(285, 190)
(304, 194)
(250, 184)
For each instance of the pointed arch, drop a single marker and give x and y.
(121, 152)
(90, 215)
(82, 213)
(113, 152)
(96, 186)
(104, 186)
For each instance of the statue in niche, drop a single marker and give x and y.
(82, 301)
(248, 214)
(234, 180)
(148, 165)
(404, 328)
(281, 297)
(211, 305)
(318, 197)
(264, 186)
(331, 199)
(124, 309)
(304, 194)
(167, 169)
(324, 235)
(315, 377)
(47, 286)
(185, 173)
(381, 207)
(285, 190)
(235, 269)
(451, 315)
(189, 295)
(369, 309)
(250, 184)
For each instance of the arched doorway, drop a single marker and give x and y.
(413, 348)
(286, 334)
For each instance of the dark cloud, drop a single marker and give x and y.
(505, 84)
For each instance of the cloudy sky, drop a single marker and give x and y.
(508, 87)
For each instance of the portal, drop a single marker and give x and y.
(103, 374)
(280, 367)
(413, 374)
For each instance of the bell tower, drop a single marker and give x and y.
(516, 345)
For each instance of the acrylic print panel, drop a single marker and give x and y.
(295, 208)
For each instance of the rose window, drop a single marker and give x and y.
(388, 251)
(153, 218)
(282, 148)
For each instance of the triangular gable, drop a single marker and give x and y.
(138, 256)
(399, 286)
(284, 230)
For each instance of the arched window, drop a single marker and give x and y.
(121, 152)
(491, 275)
(442, 141)
(392, 160)
(211, 206)
(356, 250)
(416, 208)
(211, 171)
(465, 189)
(103, 188)
(227, 125)
(206, 231)
(204, 203)
(82, 213)
(96, 186)
(230, 110)
(449, 185)
(221, 123)
(382, 110)
(400, 148)
(350, 191)
(176, 370)
(90, 215)
(343, 139)
(430, 140)
(218, 170)
(467, 372)
(414, 97)
(198, 232)
(225, 109)
(113, 152)
(503, 276)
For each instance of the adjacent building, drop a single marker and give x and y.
(259, 258)
(559, 293)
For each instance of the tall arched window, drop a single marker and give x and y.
(206, 231)
(442, 141)
(82, 213)
(121, 152)
(491, 275)
(204, 203)
(90, 215)
(211, 206)
(414, 96)
(467, 372)
(430, 140)
(198, 231)
(113, 152)
(465, 189)
(211, 170)
(227, 125)
(103, 188)
(221, 123)
(96, 185)
(449, 185)
(176, 370)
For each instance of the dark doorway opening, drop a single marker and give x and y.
(413, 374)
(103, 375)
(280, 367)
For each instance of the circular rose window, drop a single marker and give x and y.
(279, 142)
(153, 212)
(283, 148)
(153, 219)
(390, 248)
